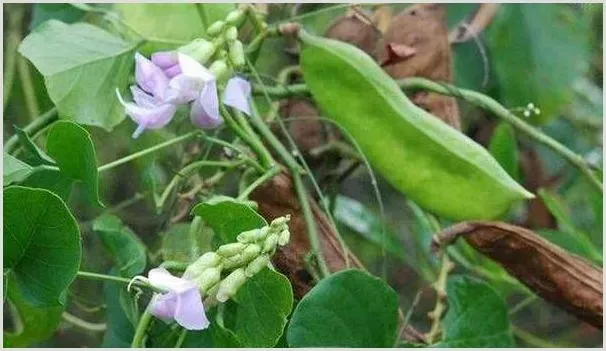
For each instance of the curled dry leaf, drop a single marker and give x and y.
(354, 29)
(421, 28)
(566, 280)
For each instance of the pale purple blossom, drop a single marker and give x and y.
(171, 79)
(182, 302)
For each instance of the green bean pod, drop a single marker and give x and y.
(435, 165)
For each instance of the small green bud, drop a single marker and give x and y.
(270, 243)
(209, 259)
(252, 251)
(233, 261)
(199, 49)
(231, 34)
(230, 285)
(208, 278)
(220, 70)
(280, 222)
(256, 265)
(236, 53)
(232, 249)
(215, 28)
(249, 236)
(284, 237)
(235, 17)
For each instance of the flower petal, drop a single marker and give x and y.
(165, 59)
(164, 306)
(183, 89)
(205, 109)
(193, 69)
(189, 312)
(172, 71)
(142, 98)
(150, 77)
(154, 117)
(237, 93)
(162, 279)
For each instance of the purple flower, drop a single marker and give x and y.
(182, 302)
(237, 93)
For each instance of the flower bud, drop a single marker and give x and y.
(208, 278)
(235, 17)
(236, 53)
(256, 265)
(280, 221)
(230, 285)
(231, 34)
(215, 28)
(284, 237)
(233, 261)
(220, 70)
(249, 236)
(232, 249)
(209, 259)
(270, 243)
(199, 49)
(251, 251)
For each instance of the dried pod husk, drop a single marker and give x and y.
(353, 29)
(564, 279)
(421, 28)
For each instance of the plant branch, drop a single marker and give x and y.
(150, 150)
(37, 124)
(144, 321)
(27, 85)
(82, 324)
(258, 182)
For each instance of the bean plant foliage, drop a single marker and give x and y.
(302, 175)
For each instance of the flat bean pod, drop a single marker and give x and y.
(432, 163)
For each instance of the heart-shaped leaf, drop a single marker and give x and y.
(258, 315)
(82, 67)
(41, 243)
(477, 316)
(228, 217)
(72, 149)
(14, 170)
(127, 250)
(347, 309)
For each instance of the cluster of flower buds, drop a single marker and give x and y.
(243, 259)
(531, 109)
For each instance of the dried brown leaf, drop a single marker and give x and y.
(564, 279)
(354, 29)
(422, 27)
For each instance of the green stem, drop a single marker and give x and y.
(37, 124)
(533, 340)
(475, 98)
(147, 151)
(248, 136)
(12, 39)
(80, 323)
(182, 337)
(261, 180)
(504, 114)
(27, 85)
(112, 278)
(144, 321)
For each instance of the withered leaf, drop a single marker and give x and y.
(422, 27)
(564, 279)
(397, 53)
(353, 29)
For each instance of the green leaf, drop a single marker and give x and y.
(127, 250)
(346, 309)
(37, 324)
(477, 316)
(180, 23)
(577, 244)
(178, 245)
(82, 66)
(14, 170)
(258, 315)
(215, 336)
(504, 148)
(228, 217)
(120, 330)
(558, 209)
(55, 181)
(33, 155)
(62, 12)
(41, 243)
(72, 148)
(360, 219)
(551, 52)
